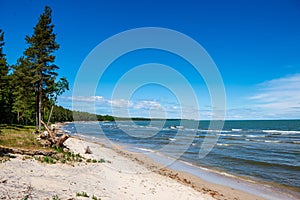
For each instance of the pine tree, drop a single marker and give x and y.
(23, 92)
(4, 84)
(40, 57)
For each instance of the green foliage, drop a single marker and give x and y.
(82, 194)
(60, 157)
(5, 99)
(40, 58)
(48, 160)
(85, 116)
(95, 198)
(105, 118)
(29, 89)
(61, 114)
(55, 197)
(23, 92)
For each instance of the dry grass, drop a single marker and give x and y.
(16, 136)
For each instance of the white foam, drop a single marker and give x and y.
(296, 142)
(143, 149)
(229, 135)
(220, 144)
(234, 135)
(213, 131)
(254, 136)
(281, 132)
(236, 129)
(272, 141)
(67, 131)
(267, 141)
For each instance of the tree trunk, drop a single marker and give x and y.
(40, 99)
(50, 115)
(52, 135)
(37, 121)
(60, 141)
(52, 139)
(18, 117)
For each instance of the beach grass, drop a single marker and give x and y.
(82, 194)
(24, 137)
(18, 136)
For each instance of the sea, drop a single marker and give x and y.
(259, 151)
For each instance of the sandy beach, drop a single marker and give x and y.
(123, 175)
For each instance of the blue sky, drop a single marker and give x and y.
(254, 44)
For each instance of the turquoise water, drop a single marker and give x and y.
(266, 151)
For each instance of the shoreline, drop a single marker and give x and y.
(257, 188)
(259, 169)
(216, 191)
(124, 175)
(212, 178)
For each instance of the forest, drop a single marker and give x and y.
(29, 89)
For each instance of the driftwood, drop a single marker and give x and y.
(6, 150)
(51, 137)
(60, 140)
(87, 150)
(52, 134)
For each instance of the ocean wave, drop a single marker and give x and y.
(264, 163)
(214, 131)
(226, 145)
(148, 150)
(236, 129)
(267, 141)
(229, 135)
(272, 141)
(255, 136)
(295, 142)
(66, 131)
(280, 132)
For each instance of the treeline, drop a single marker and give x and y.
(61, 114)
(29, 89)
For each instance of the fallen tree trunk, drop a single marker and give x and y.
(60, 140)
(54, 141)
(52, 134)
(6, 150)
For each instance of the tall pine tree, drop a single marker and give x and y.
(5, 108)
(40, 57)
(23, 92)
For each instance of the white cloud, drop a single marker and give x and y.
(279, 98)
(274, 99)
(119, 107)
(132, 108)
